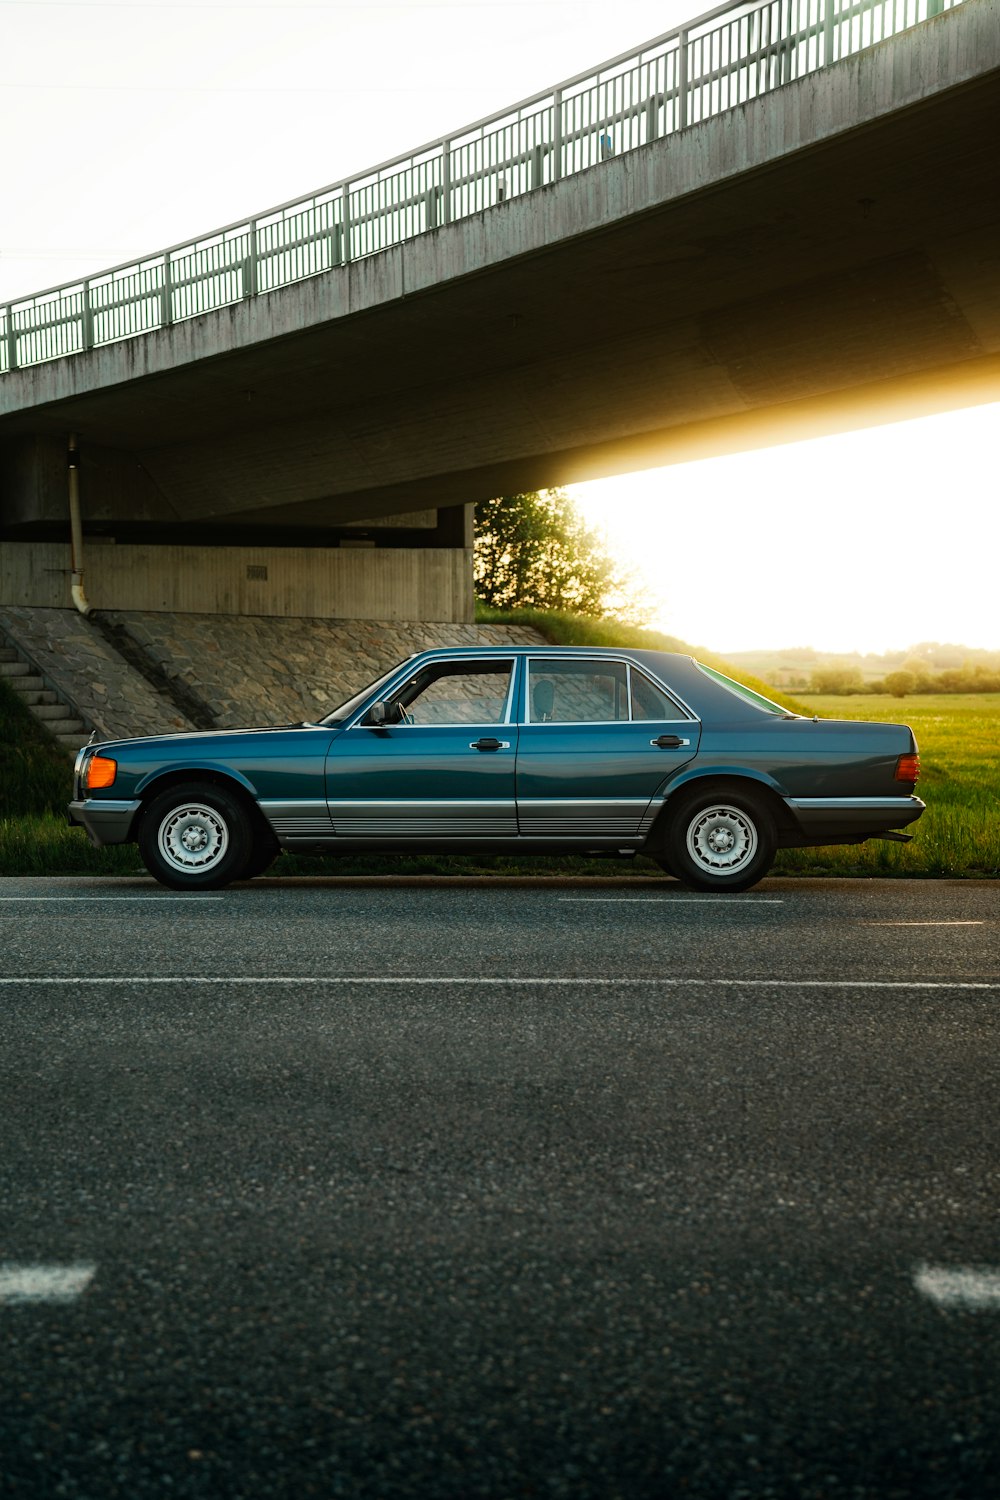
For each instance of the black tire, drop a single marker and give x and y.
(721, 840)
(265, 851)
(196, 836)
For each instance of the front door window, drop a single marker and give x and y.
(473, 692)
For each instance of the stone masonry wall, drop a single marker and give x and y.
(136, 672)
(263, 670)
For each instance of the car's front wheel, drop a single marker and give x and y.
(720, 841)
(265, 851)
(196, 837)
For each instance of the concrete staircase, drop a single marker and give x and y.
(57, 716)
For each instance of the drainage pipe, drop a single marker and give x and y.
(76, 528)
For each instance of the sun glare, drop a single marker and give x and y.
(869, 541)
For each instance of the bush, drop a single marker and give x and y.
(900, 683)
(839, 680)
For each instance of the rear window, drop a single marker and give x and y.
(747, 694)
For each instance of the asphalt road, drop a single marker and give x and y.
(386, 1189)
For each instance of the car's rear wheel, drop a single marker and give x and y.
(196, 836)
(720, 841)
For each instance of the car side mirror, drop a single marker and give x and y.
(376, 714)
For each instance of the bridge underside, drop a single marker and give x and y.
(846, 279)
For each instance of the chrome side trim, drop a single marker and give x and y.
(862, 804)
(436, 817)
(601, 724)
(298, 817)
(583, 802)
(302, 828)
(294, 807)
(425, 828)
(610, 817)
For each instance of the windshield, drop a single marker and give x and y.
(757, 699)
(343, 713)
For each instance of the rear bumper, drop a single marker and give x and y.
(106, 822)
(851, 819)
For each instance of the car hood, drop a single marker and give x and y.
(203, 738)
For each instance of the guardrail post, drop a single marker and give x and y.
(537, 166)
(828, 31)
(345, 220)
(652, 117)
(250, 264)
(166, 295)
(87, 318)
(431, 208)
(11, 340)
(446, 182)
(682, 80)
(557, 135)
(935, 8)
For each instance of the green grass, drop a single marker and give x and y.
(36, 774)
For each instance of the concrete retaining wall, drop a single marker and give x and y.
(391, 583)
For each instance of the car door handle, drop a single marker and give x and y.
(669, 742)
(489, 743)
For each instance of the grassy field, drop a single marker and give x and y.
(959, 835)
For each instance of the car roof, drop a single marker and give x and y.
(542, 648)
(678, 672)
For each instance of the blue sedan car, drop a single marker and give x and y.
(514, 750)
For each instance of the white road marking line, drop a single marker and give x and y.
(675, 900)
(492, 981)
(44, 1283)
(950, 922)
(975, 1289)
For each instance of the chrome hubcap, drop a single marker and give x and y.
(721, 839)
(193, 838)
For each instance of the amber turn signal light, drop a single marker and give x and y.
(100, 772)
(908, 767)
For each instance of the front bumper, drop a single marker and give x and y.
(106, 822)
(848, 820)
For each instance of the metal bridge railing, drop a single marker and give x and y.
(724, 58)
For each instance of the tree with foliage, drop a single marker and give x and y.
(536, 551)
(900, 683)
(834, 679)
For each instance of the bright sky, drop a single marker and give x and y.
(130, 125)
(871, 541)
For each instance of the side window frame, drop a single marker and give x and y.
(442, 663)
(683, 714)
(597, 662)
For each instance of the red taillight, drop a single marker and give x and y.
(100, 771)
(908, 767)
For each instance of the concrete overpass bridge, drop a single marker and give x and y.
(777, 221)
